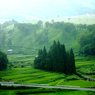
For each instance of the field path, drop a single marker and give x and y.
(46, 86)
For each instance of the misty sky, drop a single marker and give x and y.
(34, 6)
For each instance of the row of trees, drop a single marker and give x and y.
(56, 59)
(3, 61)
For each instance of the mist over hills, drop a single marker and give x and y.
(47, 9)
(69, 8)
(19, 17)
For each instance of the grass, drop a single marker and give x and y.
(53, 93)
(41, 91)
(81, 19)
(81, 83)
(84, 65)
(17, 60)
(29, 75)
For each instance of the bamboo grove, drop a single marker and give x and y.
(56, 59)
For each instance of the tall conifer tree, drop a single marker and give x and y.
(54, 56)
(57, 59)
(63, 58)
(72, 61)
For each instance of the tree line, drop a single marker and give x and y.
(56, 59)
(3, 61)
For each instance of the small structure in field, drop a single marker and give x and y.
(9, 51)
(36, 56)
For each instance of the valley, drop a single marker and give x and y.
(25, 40)
(29, 76)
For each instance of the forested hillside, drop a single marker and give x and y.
(87, 41)
(27, 38)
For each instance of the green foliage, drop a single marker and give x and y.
(58, 25)
(91, 27)
(52, 20)
(9, 43)
(72, 77)
(82, 26)
(80, 83)
(2, 39)
(72, 61)
(3, 61)
(84, 66)
(33, 36)
(7, 23)
(68, 27)
(56, 59)
(87, 41)
(31, 75)
(23, 38)
(17, 60)
(40, 23)
(41, 91)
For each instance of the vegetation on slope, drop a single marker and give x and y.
(57, 59)
(3, 61)
(24, 38)
(27, 38)
(87, 41)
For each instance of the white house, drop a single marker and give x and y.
(9, 51)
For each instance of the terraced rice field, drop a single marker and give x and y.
(85, 65)
(31, 75)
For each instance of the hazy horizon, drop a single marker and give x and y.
(47, 8)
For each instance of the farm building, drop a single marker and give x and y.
(9, 51)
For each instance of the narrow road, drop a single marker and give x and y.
(72, 88)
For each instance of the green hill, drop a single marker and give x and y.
(27, 38)
(31, 36)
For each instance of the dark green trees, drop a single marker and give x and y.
(72, 61)
(3, 61)
(56, 59)
(86, 41)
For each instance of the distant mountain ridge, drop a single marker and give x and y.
(63, 8)
(51, 9)
(19, 17)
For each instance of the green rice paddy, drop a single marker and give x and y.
(29, 75)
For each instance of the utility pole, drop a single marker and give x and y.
(92, 78)
(20, 74)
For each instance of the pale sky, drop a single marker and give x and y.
(28, 5)
(22, 5)
(32, 6)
